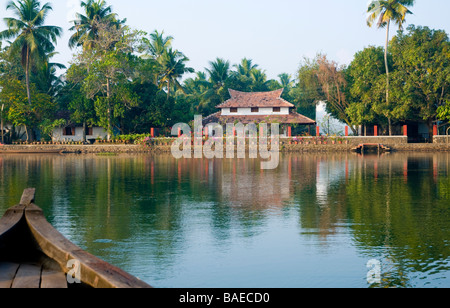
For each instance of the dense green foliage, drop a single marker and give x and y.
(129, 81)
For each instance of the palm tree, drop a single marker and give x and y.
(86, 26)
(243, 74)
(218, 72)
(45, 76)
(173, 67)
(383, 12)
(157, 45)
(286, 81)
(33, 40)
(259, 81)
(245, 67)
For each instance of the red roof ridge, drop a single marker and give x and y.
(275, 93)
(255, 99)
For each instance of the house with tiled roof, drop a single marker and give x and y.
(257, 107)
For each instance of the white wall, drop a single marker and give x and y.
(336, 127)
(96, 132)
(248, 112)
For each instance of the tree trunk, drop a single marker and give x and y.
(354, 130)
(26, 132)
(109, 113)
(84, 131)
(387, 75)
(27, 75)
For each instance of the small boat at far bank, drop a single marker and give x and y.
(35, 255)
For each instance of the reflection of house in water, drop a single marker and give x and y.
(242, 186)
(329, 171)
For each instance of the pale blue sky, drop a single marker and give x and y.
(275, 34)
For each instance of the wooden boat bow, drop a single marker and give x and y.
(25, 234)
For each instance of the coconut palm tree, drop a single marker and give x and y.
(86, 26)
(157, 45)
(173, 67)
(259, 81)
(45, 76)
(33, 40)
(245, 67)
(243, 74)
(218, 72)
(286, 81)
(383, 12)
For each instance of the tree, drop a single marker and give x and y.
(383, 12)
(331, 78)
(33, 39)
(259, 81)
(286, 81)
(443, 112)
(308, 91)
(422, 69)
(86, 26)
(18, 111)
(73, 100)
(243, 76)
(365, 76)
(45, 76)
(173, 67)
(105, 71)
(167, 64)
(157, 45)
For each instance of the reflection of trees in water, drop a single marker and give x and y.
(395, 207)
(398, 207)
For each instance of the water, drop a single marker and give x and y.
(316, 221)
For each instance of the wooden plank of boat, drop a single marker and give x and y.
(53, 279)
(7, 274)
(28, 276)
(54, 248)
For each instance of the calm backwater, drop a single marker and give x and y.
(315, 221)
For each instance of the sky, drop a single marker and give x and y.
(276, 35)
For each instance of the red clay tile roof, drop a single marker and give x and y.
(255, 99)
(292, 118)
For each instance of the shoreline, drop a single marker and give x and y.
(165, 148)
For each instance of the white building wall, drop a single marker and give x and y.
(248, 112)
(97, 132)
(336, 127)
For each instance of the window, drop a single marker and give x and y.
(69, 131)
(276, 109)
(89, 131)
(233, 110)
(255, 109)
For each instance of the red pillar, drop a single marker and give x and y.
(435, 130)
(152, 132)
(289, 131)
(346, 131)
(405, 130)
(375, 130)
(206, 132)
(179, 132)
(317, 131)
